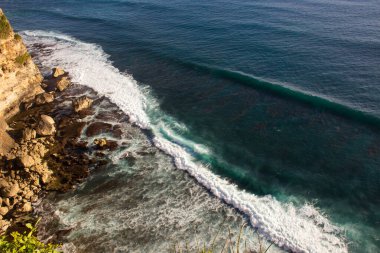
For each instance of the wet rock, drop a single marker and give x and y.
(100, 142)
(103, 144)
(58, 72)
(63, 83)
(82, 103)
(44, 98)
(29, 134)
(97, 128)
(46, 126)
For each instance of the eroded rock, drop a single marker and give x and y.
(82, 103)
(63, 83)
(58, 72)
(44, 98)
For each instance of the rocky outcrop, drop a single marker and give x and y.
(19, 77)
(39, 152)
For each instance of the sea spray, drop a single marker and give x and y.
(297, 229)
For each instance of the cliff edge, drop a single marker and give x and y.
(19, 77)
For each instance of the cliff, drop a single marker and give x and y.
(19, 77)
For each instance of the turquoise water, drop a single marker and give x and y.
(283, 95)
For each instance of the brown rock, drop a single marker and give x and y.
(3, 124)
(46, 126)
(27, 207)
(29, 134)
(4, 210)
(58, 72)
(100, 142)
(4, 224)
(7, 203)
(105, 144)
(6, 142)
(28, 160)
(63, 83)
(8, 189)
(44, 172)
(44, 98)
(82, 103)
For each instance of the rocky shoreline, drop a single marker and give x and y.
(40, 128)
(45, 153)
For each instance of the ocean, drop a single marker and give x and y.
(266, 111)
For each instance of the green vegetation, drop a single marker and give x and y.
(26, 243)
(17, 36)
(5, 28)
(21, 59)
(230, 245)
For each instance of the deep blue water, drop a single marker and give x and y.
(286, 94)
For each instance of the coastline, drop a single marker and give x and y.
(224, 191)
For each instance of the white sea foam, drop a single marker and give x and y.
(297, 229)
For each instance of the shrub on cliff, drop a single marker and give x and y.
(21, 59)
(25, 243)
(17, 36)
(5, 28)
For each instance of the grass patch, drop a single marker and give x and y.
(21, 59)
(26, 243)
(5, 27)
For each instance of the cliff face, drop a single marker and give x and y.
(19, 77)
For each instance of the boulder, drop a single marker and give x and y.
(4, 210)
(12, 191)
(82, 103)
(44, 98)
(27, 207)
(29, 134)
(8, 189)
(63, 83)
(46, 126)
(58, 72)
(28, 161)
